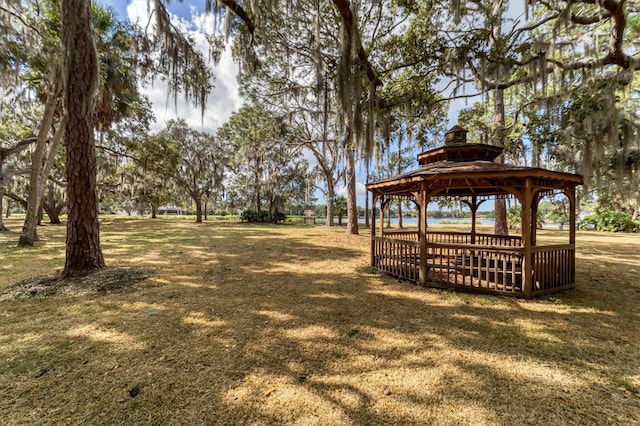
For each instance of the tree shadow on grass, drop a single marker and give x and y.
(280, 329)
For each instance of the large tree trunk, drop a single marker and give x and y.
(154, 211)
(53, 210)
(50, 206)
(40, 212)
(331, 196)
(501, 227)
(352, 205)
(399, 172)
(2, 227)
(499, 122)
(271, 209)
(366, 196)
(54, 217)
(198, 201)
(257, 175)
(48, 165)
(29, 235)
(258, 200)
(84, 254)
(389, 215)
(328, 171)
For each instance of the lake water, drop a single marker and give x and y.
(413, 221)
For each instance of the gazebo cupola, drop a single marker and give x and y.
(457, 149)
(455, 136)
(470, 261)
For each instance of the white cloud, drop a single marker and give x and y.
(308, 155)
(223, 99)
(360, 189)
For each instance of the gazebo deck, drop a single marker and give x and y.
(487, 263)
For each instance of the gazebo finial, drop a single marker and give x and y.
(455, 136)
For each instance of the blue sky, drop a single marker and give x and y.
(119, 6)
(181, 9)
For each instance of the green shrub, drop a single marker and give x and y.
(610, 220)
(250, 215)
(514, 217)
(279, 217)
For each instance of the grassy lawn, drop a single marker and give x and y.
(287, 324)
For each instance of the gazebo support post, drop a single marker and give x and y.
(422, 235)
(474, 209)
(571, 195)
(382, 207)
(527, 261)
(374, 200)
(474, 205)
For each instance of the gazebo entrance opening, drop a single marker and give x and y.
(471, 260)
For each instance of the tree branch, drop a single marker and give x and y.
(60, 183)
(8, 174)
(588, 20)
(535, 25)
(240, 13)
(113, 151)
(19, 18)
(21, 145)
(344, 7)
(14, 197)
(452, 98)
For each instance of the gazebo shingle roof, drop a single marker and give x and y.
(465, 174)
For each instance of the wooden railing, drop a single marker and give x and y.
(471, 266)
(396, 257)
(499, 240)
(553, 267)
(448, 237)
(453, 262)
(402, 235)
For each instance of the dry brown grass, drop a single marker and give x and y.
(288, 325)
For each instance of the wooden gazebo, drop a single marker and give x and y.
(471, 261)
